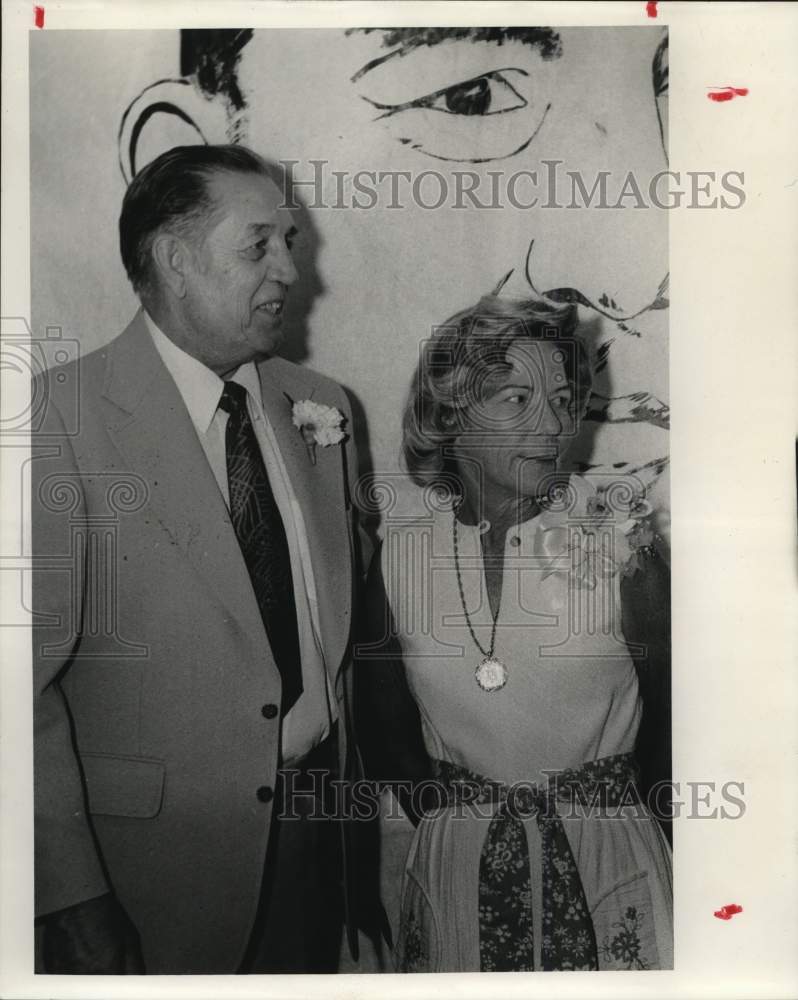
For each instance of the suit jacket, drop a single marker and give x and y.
(151, 661)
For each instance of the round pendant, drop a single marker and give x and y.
(491, 674)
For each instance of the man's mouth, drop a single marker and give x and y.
(274, 307)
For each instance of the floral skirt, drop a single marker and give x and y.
(553, 886)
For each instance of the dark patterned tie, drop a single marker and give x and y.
(261, 535)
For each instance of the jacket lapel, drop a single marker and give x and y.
(320, 493)
(153, 431)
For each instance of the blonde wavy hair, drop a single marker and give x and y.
(455, 361)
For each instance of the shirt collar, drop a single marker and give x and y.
(247, 375)
(200, 388)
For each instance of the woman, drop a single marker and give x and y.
(500, 695)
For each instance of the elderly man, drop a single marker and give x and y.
(190, 667)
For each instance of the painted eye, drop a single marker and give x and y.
(490, 116)
(489, 94)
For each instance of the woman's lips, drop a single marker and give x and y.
(542, 456)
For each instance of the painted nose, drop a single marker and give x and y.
(603, 122)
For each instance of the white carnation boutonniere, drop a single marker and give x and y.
(319, 424)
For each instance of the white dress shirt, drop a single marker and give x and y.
(310, 719)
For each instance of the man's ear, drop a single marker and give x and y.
(166, 114)
(171, 258)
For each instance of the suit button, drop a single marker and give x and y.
(265, 794)
(269, 711)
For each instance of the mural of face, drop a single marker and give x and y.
(431, 111)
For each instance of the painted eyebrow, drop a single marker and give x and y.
(404, 40)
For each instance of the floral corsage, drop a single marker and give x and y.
(318, 424)
(596, 537)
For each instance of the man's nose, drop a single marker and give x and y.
(280, 266)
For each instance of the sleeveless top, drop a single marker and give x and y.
(571, 693)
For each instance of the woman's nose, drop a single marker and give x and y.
(550, 423)
(543, 421)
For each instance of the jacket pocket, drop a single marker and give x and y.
(123, 786)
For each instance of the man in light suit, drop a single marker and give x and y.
(192, 594)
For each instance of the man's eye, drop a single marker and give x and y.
(256, 250)
(489, 94)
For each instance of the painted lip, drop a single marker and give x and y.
(604, 305)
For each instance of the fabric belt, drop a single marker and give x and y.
(506, 938)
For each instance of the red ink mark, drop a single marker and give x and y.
(651, 8)
(728, 911)
(38, 16)
(727, 93)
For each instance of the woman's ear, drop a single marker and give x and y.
(450, 423)
(166, 114)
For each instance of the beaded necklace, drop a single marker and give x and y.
(490, 673)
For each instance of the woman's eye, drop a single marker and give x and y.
(489, 94)
(518, 398)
